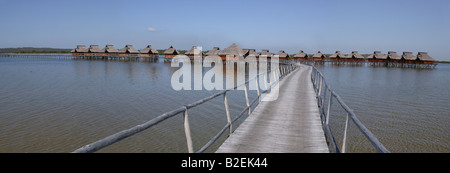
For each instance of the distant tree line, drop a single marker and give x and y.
(33, 50)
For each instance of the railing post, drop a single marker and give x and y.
(187, 131)
(344, 140)
(246, 99)
(228, 111)
(329, 107)
(257, 89)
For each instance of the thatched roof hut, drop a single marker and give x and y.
(110, 49)
(356, 55)
(319, 56)
(95, 49)
(171, 52)
(408, 56)
(213, 51)
(393, 56)
(348, 57)
(301, 55)
(282, 55)
(266, 53)
(149, 50)
(233, 50)
(194, 52)
(423, 56)
(337, 55)
(80, 49)
(128, 49)
(378, 56)
(253, 52)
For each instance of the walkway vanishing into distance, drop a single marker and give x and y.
(290, 124)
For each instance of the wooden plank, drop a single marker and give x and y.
(290, 124)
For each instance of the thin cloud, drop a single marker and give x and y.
(152, 29)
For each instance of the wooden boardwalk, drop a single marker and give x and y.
(290, 124)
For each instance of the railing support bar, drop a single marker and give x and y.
(187, 131)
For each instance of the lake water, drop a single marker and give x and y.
(407, 109)
(61, 105)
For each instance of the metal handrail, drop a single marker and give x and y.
(281, 71)
(321, 86)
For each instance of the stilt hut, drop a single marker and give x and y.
(110, 50)
(170, 52)
(194, 52)
(424, 58)
(357, 57)
(318, 56)
(336, 56)
(80, 50)
(213, 51)
(348, 57)
(253, 52)
(379, 57)
(94, 50)
(302, 56)
(234, 50)
(265, 52)
(393, 57)
(408, 57)
(282, 55)
(149, 51)
(128, 50)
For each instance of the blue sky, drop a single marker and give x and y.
(325, 25)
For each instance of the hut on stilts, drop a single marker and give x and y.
(194, 53)
(265, 53)
(282, 55)
(301, 56)
(318, 57)
(358, 58)
(234, 52)
(81, 50)
(213, 51)
(149, 53)
(170, 53)
(336, 57)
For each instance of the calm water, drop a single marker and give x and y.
(408, 110)
(61, 105)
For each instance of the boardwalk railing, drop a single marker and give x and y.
(321, 88)
(282, 70)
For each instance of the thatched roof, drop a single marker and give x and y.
(301, 54)
(423, 56)
(110, 49)
(213, 51)
(128, 49)
(337, 54)
(318, 55)
(409, 56)
(253, 52)
(234, 50)
(282, 54)
(80, 49)
(356, 55)
(379, 55)
(393, 55)
(171, 51)
(349, 56)
(193, 51)
(95, 49)
(265, 52)
(149, 50)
